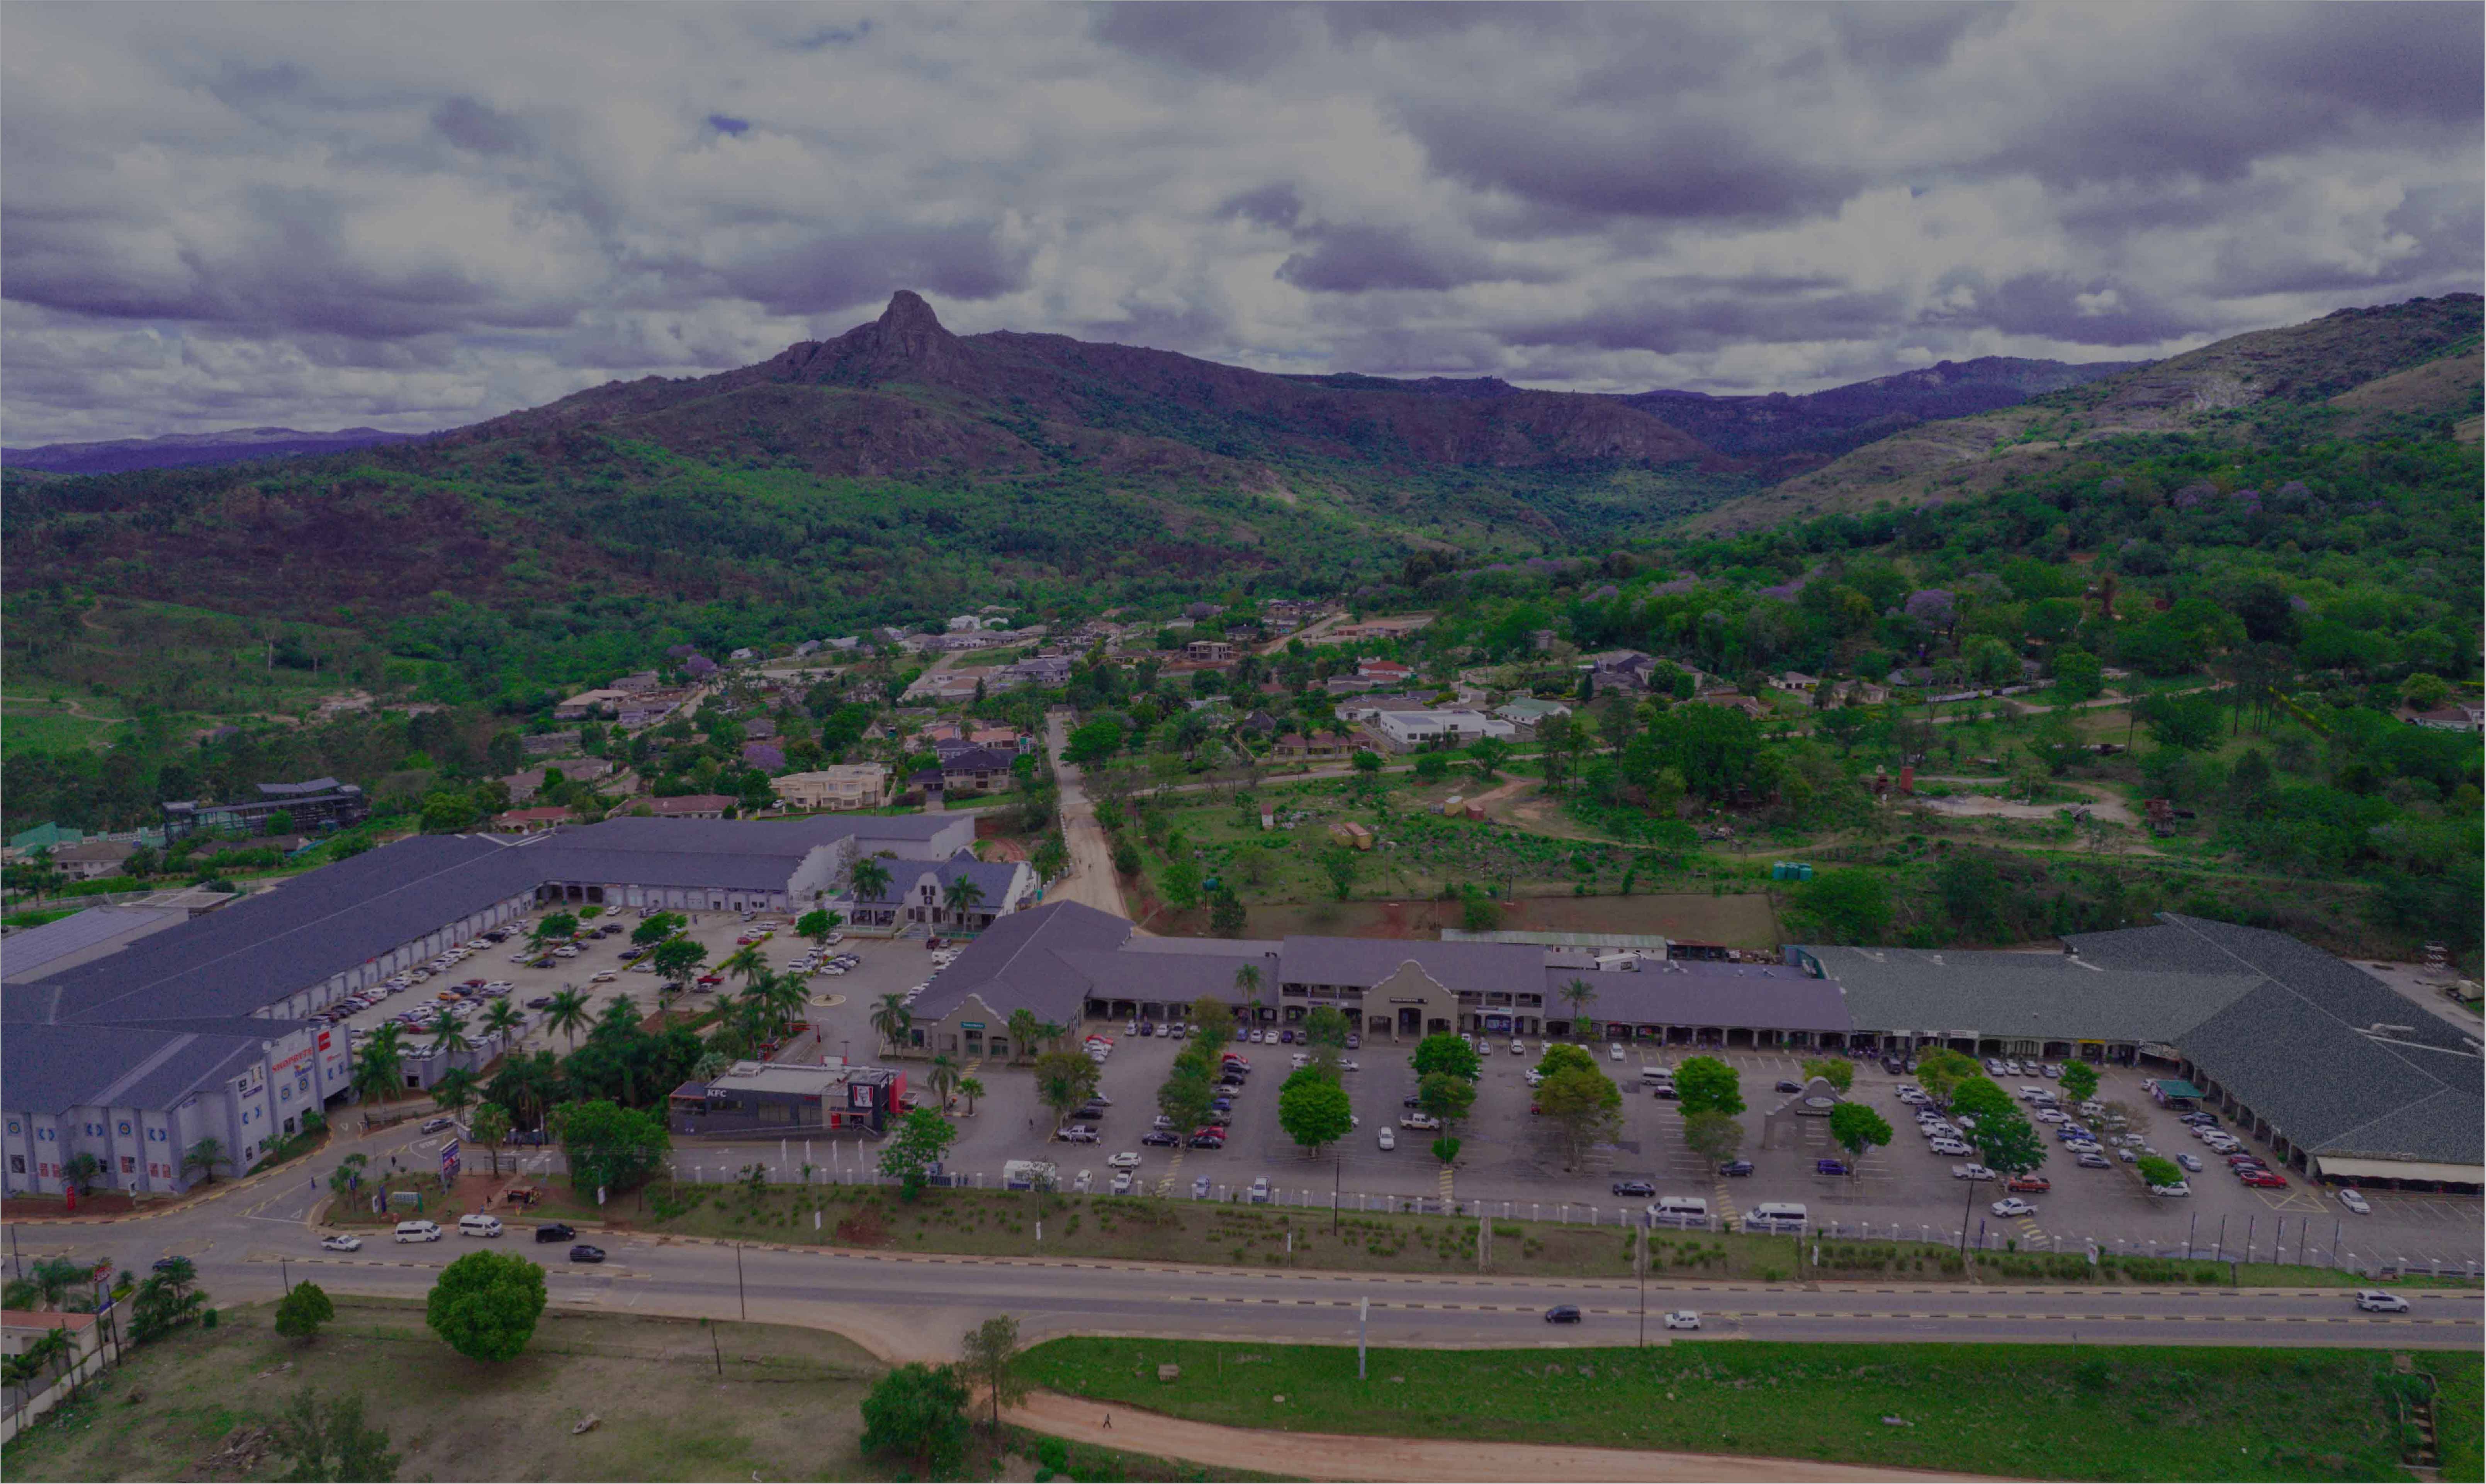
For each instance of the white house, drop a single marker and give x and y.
(1407, 730)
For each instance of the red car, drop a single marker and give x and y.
(2030, 1185)
(2262, 1179)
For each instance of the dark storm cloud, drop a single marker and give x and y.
(420, 216)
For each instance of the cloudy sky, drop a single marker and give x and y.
(414, 216)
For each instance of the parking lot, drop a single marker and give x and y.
(1512, 1162)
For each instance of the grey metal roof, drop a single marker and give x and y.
(1215, 947)
(27, 954)
(1737, 995)
(1363, 962)
(2340, 988)
(1175, 978)
(50, 1070)
(2023, 995)
(786, 837)
(767, 871)
(994, 877)
(1020, 962)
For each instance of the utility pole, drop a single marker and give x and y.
(1640, 1264)
(740, 1295)
(1363, 1315)
(1966, 1208)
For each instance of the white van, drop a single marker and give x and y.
(418, 1231)
(1654, 1075)
(1687, 1211)
(1776, 1216)
(478, 1224)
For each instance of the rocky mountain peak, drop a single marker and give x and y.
(909, 328)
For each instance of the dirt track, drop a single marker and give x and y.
(1330, 1456)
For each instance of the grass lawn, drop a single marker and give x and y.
(2030, 1411)
(783, 1406)
(2460, 1414)
(1221, 1233)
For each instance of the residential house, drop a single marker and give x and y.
(1209, 650)
(586, 704)
(545, 744)
(1407, 730)
(1365, 708)
(977, 770)
(759, 728)
(1527, 712)
(1045, 670)
(2456, 716)
(1795, 682)
(92, 860)
(1618, 670)
(1320, 744)
(1260, 724)
(847, 785)
(1007, 739)
(807, 647)
(1386, 672)
(530, 821)
(646, 711)
(692, 805)
(1733, 700)
(738, 656)
(641, 680)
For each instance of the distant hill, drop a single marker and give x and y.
(1839, 419)
(177, 451)
(2313, 374)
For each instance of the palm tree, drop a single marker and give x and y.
(54, 1277)
(1247, 983)
(50, 1352)
(1051, 1036)
(786, 994)
(82, 1170)
(380, 1067)
(943, 1076)
(490, 1128)
(745, 962)
(1023, 1033)
(449, 1031)
(1579, 995)
(963, 897)
(206, 1154)
(503, 1021)
(868, 879)
(892, 1019)
(341, 1180)
(455, 1091)
(970, 1089)
(567, 1013)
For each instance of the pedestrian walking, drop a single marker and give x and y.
(1109, 1421)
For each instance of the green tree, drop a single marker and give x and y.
(502, 1021)
(1327, 1026)
(892, 1021)
(1050, 857)
(303, 1309)
(1840, 906)
(1445, 1095)
(962, 895)
(330, 1441)
(2078, 676)
(656, 928)
(1490, 756)
(1342, 864)
(1446, 1149)
(2006, 1143)
(2079, 1080)
(1974, 892)
(1063, 1079)
(486, 1304)
(552, 925)
(916, 1415)
(1021, 1026)
(1185, 1094)
(1579, 994)
(1940, 1070)
(1179, 883)
(81, 1171)
(1980, 1097)
(868, 879)
(1560, 1056)
(162, 1305)
(1707, 1084)
(989, 1360)
(817, 926)
(2158, 1172)
(490, 1128)
(205, 1156)
(379, 1063)
(1313, 1109)
(746, 963)
(1226, 918)
(1212, 1020)
(612, 1148)
(1713, 1136)
(568, 1012)
(674, 959)
(1586, 1102)
(1857, 1128)
(942, 1076)
(918, 1142)
(1838, 1071)
(971, 1089)
(1444, 1051)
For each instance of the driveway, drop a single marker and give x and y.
(1090, 878)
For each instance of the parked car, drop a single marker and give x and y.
(586, 1252)
(1563, 1313)
(555, 1231)
(2091, 1159)
(1205, 1140)
(1126, 1160)
(1416, 1121)
(1161, 1139)
(435, 1125)
(1200, 1188)
(2012, 1206)
(2178, 1188)
(2262, 1179)
(1970, 1172)
(2190, 1162)
(1634, 1188)
(1736, 1167)
(1951, 1147)
(341, 1241)
(2028, 1185)
(411, 1231)
(1388, 1139)
(1077, 1134)
(1831, 1167)
(1122, 1183)
(1258, 1194)
(1785, 1086)
(2355, 1200)
(1613, 1052)
(2374, 1301)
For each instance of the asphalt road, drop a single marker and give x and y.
(251, 1239)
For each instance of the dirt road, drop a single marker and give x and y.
(1329, 1456)
(1090, 879)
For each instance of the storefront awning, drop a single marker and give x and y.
(2339, 1168)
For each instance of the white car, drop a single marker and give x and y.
(1416, 1120)
(1970, 1172)
(1951, 1146)
(1121, 1182)
(1613, 1052)
(2014, 1206)
(603, 976)
(1300, 1058)
(1350, 1064)
(341, 1241)
(2179, 1188)
(1683, 1319)
(2374, 1301)
(2355, 1200)
(1126, 1160)
(2189, 1162)
(1388, 1139)
(1518, 1046)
